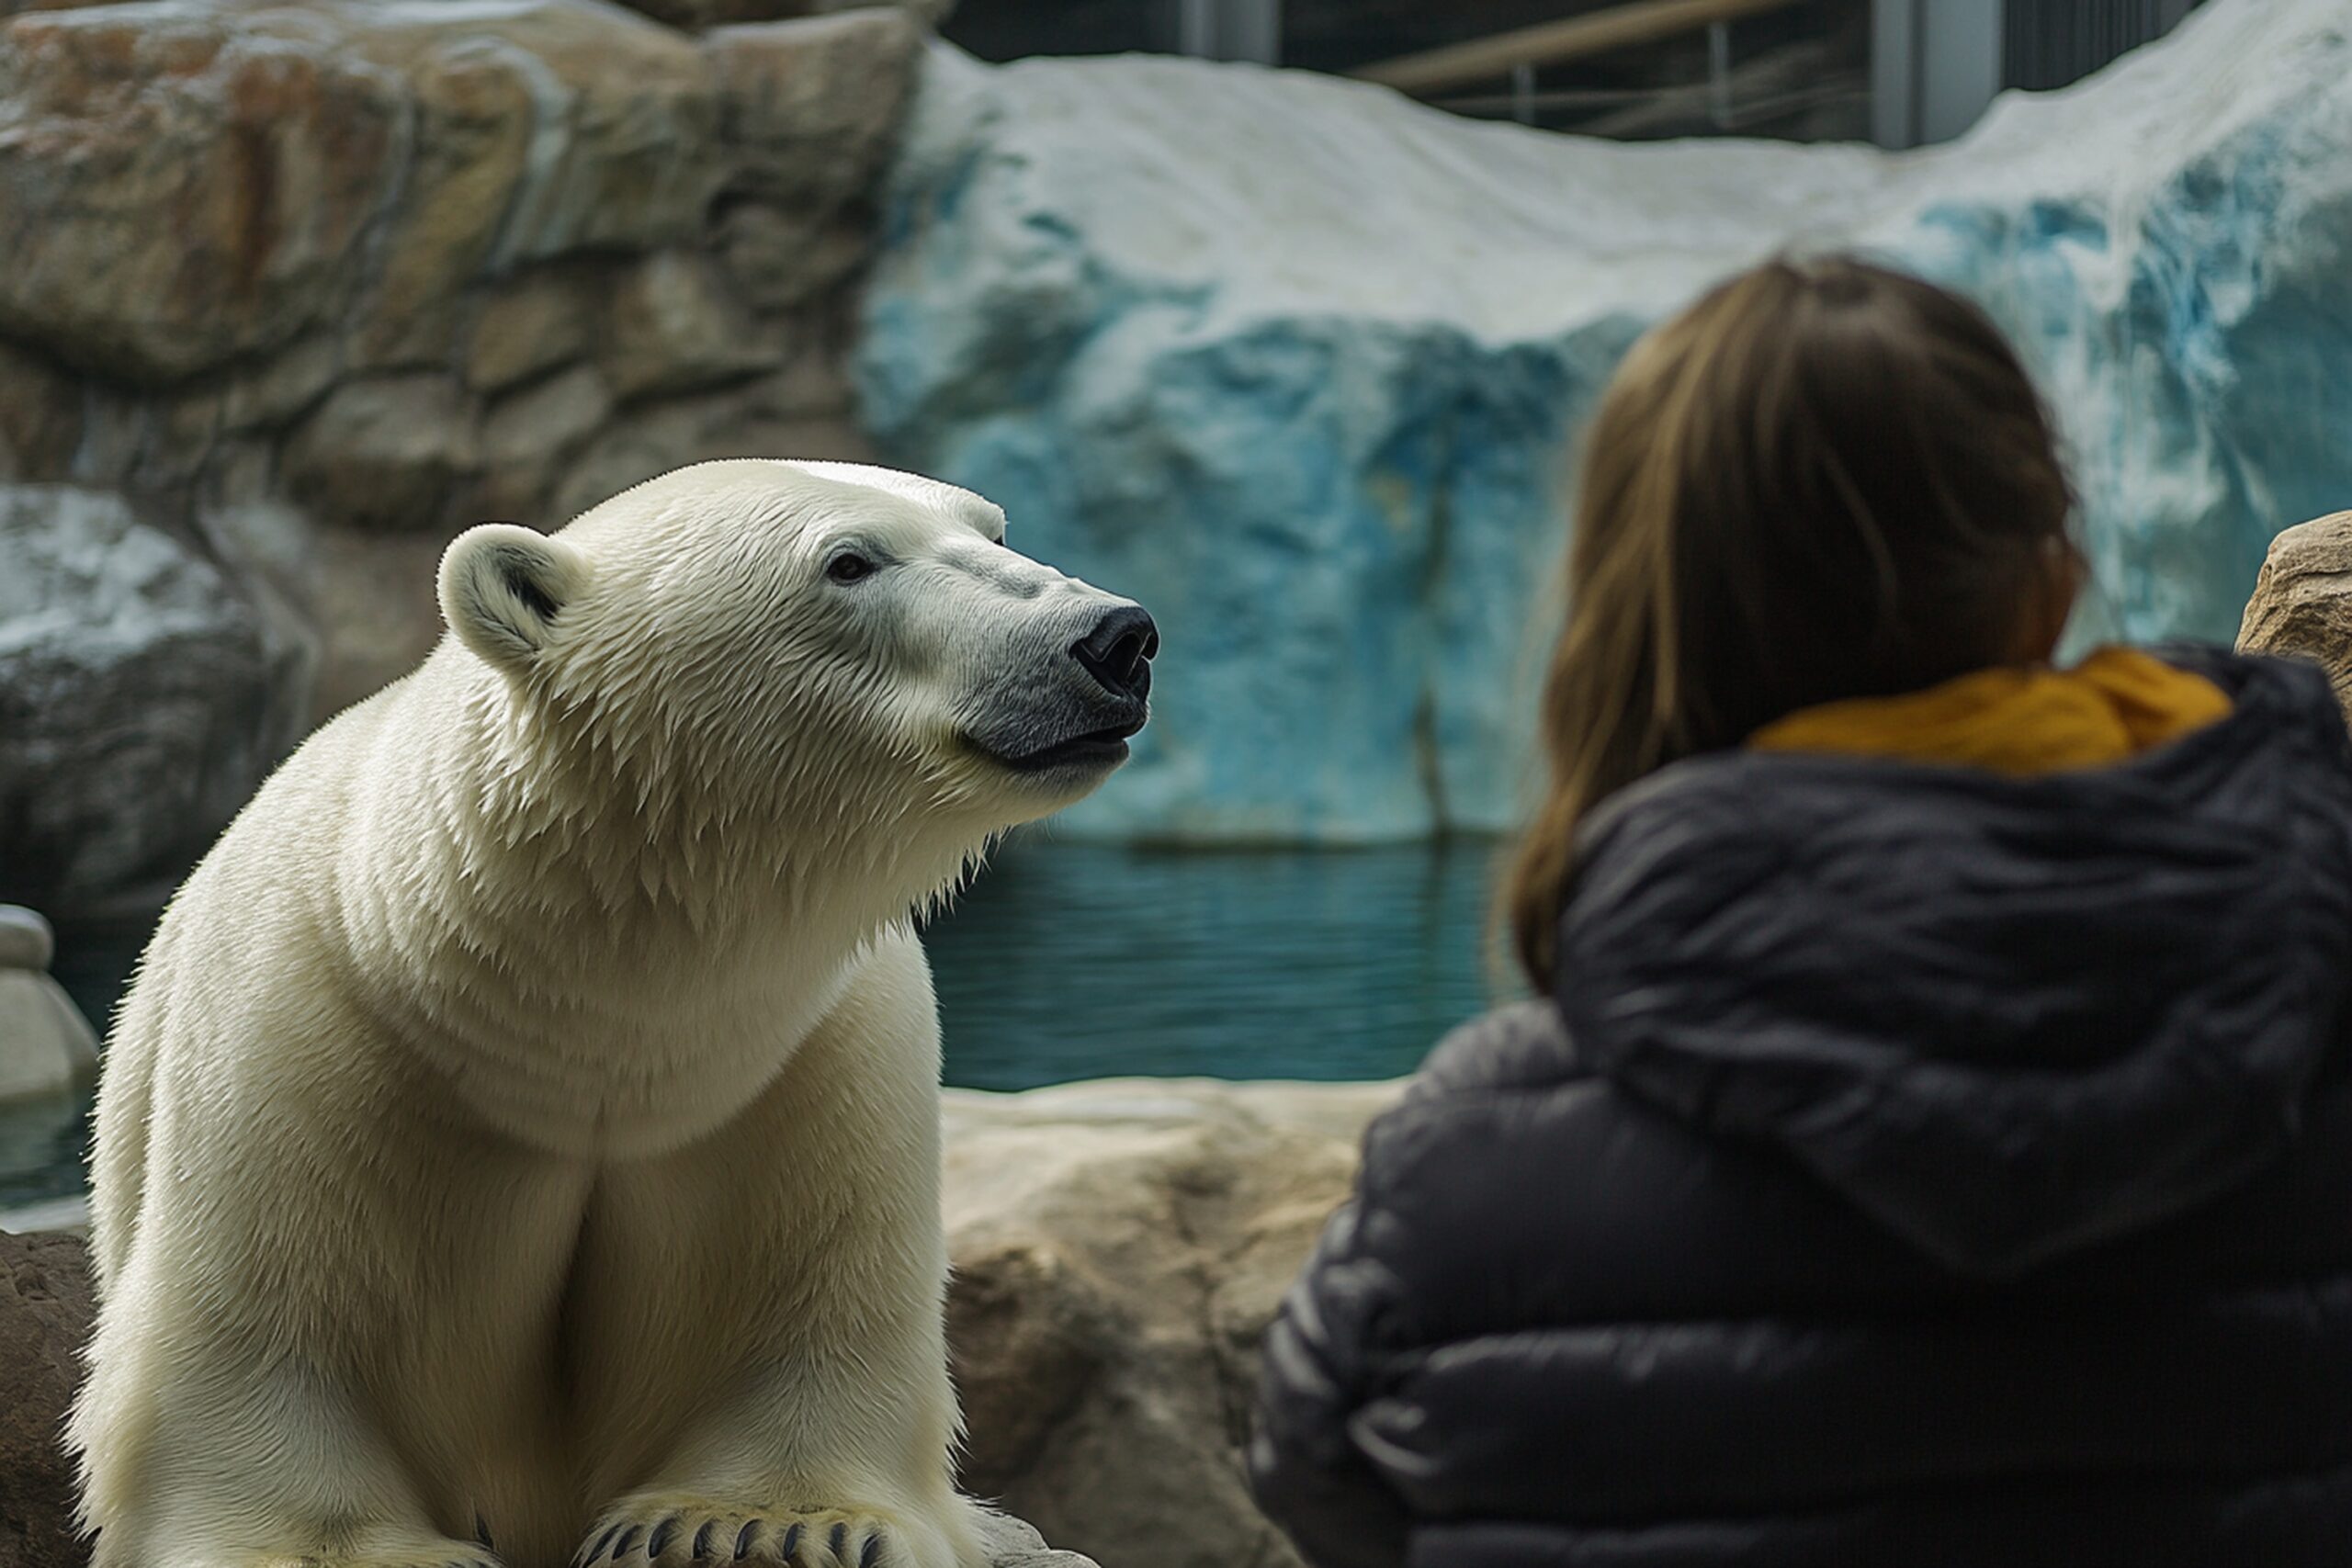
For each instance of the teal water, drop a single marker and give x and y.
(1075, 961)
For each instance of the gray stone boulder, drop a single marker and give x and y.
(47, 1048)
(1120, 1246)
(2302, 606)
(143, 693)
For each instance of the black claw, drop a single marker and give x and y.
(791, 1543)
(743, 1541)
(628, 1540)
(871, 1553)
(839, 1542)
(482, 1532)
(702, 1538)
(661, 1537)
(597, 1550)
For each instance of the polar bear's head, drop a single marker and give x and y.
(821, 649)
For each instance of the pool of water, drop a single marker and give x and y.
(1074, 961)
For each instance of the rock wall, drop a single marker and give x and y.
(291, 290)
(1119, 1248)
(1301, 362)
(404, 267)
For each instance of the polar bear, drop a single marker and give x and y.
(521, 1144)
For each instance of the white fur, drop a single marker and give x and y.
(527, 1113)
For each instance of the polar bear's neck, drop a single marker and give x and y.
(571, 930)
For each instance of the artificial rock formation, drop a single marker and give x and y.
(1119, 1247)
(703, 14)
(144, 689)
(46, 1045)
(2302, 606)
(405, 268)
(45, 1311)
(320, 283)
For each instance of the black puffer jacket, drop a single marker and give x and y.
(1920, 1166)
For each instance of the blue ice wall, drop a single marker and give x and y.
(1300, 365)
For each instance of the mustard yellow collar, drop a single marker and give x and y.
(2111, 707)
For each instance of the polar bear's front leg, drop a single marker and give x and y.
(759, 1362)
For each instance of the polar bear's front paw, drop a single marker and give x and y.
(686, 1533)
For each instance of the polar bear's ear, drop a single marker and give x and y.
(501, 588)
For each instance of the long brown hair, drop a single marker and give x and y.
(1823, 480)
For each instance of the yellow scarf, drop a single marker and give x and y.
(2115, 705)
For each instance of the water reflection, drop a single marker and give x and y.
(1073, 961)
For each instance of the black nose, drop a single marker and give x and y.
(1119, 650)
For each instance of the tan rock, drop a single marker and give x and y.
(653, 438)
(45, 1313)
(1120, 1247)
(672, 325)
(41, 417)
(776, 260)
(177, 190)
(383, 453)
(545, 421)
(476, 116)
(288, 382)
(2302, 606)
(531, 436)
(697, 15)
(623, 154)
(813, 384)
(181, 429)
(529, 326)
(371, 595)
(809, 108)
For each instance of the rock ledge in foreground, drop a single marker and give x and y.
(2302, 606)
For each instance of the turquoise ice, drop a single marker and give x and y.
(1301, 364)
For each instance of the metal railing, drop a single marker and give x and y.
(1518, 53)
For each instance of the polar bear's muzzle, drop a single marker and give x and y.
(1079, 711)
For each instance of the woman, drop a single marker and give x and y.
(1935, 1145)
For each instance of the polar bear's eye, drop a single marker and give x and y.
(848, 567)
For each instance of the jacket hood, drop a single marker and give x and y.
(2006, 1017)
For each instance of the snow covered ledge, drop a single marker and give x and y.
(2302, 602)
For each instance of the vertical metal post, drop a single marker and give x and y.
(1196, 28)
(1958, 65)
(1719, 74)
(1230, 30)
(1522, 93)
(1254, 30)
(1894, 73)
